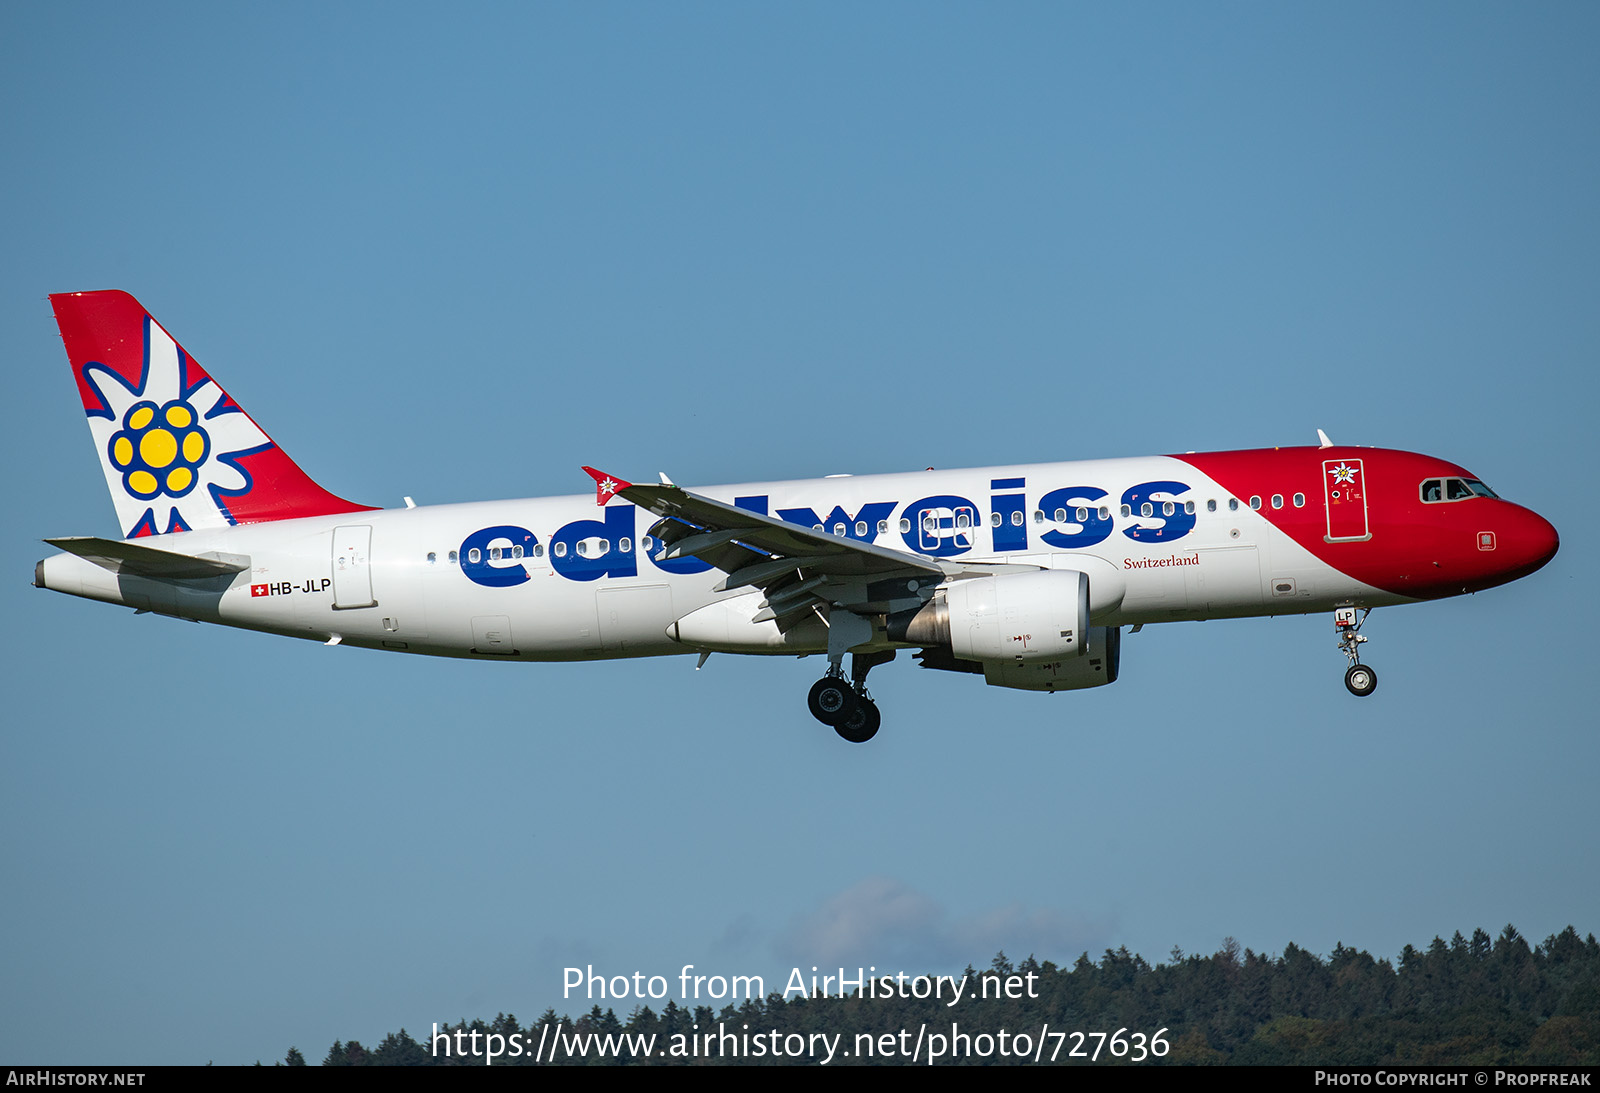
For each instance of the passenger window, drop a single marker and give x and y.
(432, 557)
(905, 525)
(452, 557)
(1299, 500)
(994, 519)
(1188, 507)
(861, 528)
(474, 556)
(1105, 513)
(1233, 504)
(1038, 516)
(646, 543)
(1168, 508)
(1147, 509)
(516, 552)
(963, 521)
(1277, 500)
(1126, 511)
(583, 547)
(494, 554)
(840, 530)
(624, 544)
(602, 547)
(538, 550)
(1255, 502)
(883, 527)
(1083, 514)
(1211, 505)
(1016, 519)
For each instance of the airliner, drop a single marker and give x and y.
(1025, 575)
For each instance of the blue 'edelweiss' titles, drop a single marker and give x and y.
(939, 526)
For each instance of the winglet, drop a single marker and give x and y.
(606, 486)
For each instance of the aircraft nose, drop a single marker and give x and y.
(1533, 541)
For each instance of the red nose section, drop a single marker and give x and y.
(1532, 542)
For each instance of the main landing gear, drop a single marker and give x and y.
(845, 705)
(1360, 680)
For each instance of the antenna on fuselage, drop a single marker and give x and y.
(1322, 436)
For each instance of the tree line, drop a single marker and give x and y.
(1467, 1001)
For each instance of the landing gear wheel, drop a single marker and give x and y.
(863, 724)
(1361, 680)
(831, 700)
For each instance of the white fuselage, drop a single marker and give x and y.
(450, 580)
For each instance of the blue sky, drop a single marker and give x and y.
(458, 256)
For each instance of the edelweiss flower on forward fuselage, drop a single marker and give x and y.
(1344, 474)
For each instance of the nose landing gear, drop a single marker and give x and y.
(1360, 680)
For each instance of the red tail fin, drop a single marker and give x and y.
(177, 452)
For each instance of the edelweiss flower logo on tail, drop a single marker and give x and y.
(160, 450)
(178, 454)
(167, 436)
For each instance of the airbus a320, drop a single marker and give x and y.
(1024, 575)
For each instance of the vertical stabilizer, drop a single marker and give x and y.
(177, 452)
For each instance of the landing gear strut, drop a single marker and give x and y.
(1360, 680)
(845, 706)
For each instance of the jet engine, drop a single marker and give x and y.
(1025, 630)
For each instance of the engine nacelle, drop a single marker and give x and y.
(1019, 618)
(1097, 667)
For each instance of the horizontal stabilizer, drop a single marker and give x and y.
(127, 557)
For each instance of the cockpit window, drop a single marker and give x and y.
(1454, 489)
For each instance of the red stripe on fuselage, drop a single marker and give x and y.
(1413, 549)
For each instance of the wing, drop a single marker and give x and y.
(796, 567)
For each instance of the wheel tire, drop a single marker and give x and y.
(831, 701)
(1361, 680)
(863, 724)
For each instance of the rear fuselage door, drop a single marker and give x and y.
(352, 567)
